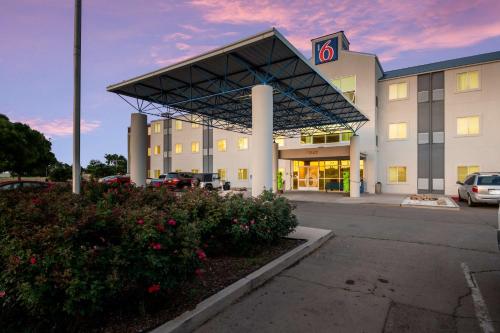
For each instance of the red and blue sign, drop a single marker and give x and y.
(326, 51)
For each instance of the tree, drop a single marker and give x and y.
(60, 172)
(23, 151)
(97, 169)
(118, 163)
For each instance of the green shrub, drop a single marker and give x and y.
(67, 258)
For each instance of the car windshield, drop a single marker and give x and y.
(489, 180)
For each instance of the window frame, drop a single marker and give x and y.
(238, 143)
(159, 149)
(469, 174)
(243, 172)
(468, 81)
(197, 147)
(398, 182)
(398, 98)
(479, 125)
(397, 139)
(178, 125)
(176, 150)
(156, 127)
(225, 145)
(339, 78)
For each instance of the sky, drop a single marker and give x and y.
(126, 38)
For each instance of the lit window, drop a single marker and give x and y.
(178, 148)
(398, 91)
(319, 138)
(149, 130)
(178, 125)
(149, 174)
(157, 173)
(347, 85)
(156, 127)
(397, 175)
(242, 143)
(280, 141)
(468, 81)
(468, 126)
(221, 145)
(222, 174)
(149, 151)
(178, 170)
(464, 171)
(242, 174)
(196, 119)
(195, 170)
(398, 131)
(195, 147)
(346, 136)
(157, 150)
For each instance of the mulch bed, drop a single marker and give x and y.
(220, 272)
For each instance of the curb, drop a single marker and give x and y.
(205, 310)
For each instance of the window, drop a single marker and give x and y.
(347, 85)
(178, 148)
(280, 141)
(319, 138)
(468, 81)
(178, 170)
(195, 170)
(242, 174)
(149, 151)
(157, 150)
(157, 173)
(398, 91)
(195, 125)
(221, 145)
(470, 180)
(149, 130)
(222, 174)
(195, 147)
(242, 143)
(464, 171)
(397, 175)
(468, 126)
(149, 174)
(156, 127)
(178, 125)
(398, 131)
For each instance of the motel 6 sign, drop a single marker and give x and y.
(326, 51)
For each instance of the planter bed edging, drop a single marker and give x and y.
(208, 308)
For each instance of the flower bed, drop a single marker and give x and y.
(69, 258)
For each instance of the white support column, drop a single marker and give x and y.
(138, 148)
(262, 139)
(275, 167)
(354, 169)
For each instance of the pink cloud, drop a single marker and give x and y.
(60, 127)
(182, 46)
(176, 36)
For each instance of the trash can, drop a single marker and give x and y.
(378, 188)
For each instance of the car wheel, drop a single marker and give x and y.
(209, 187)
(470, 203)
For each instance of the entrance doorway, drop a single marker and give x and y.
(319, 175)
(308, 178)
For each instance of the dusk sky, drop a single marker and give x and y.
(125, 38)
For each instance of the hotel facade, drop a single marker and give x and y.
(429, 126)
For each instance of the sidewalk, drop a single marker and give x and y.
(333, 197)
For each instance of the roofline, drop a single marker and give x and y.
(213, 52)
(333, 33)
(439, 70)
(268, 33)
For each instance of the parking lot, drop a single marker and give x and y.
(388, 269)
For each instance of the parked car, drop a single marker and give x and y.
(480, 187)
(116, 179)
(18, 184)
(209, 181)
(174, 180)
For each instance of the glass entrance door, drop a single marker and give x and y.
(308, 178)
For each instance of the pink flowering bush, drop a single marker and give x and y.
(67, 258)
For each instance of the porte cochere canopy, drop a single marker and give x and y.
(214, 89)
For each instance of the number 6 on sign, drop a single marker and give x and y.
(326, 50)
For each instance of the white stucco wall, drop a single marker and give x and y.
(484, 149)
(398, 152)
(187, 160)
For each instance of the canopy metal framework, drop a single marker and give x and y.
(214, 89)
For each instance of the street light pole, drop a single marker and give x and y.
(76, 96)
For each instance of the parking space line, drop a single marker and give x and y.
(482, 314)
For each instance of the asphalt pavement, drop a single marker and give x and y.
(388, 269)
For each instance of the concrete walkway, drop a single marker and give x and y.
(389, 269)
(335, 197)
